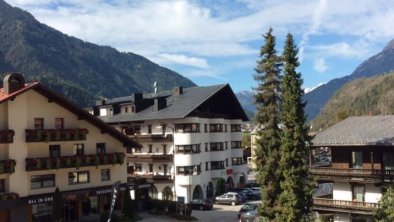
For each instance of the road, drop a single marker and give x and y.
(220, 213)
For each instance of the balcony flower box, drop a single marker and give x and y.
(77, 161)
(7, 136)
(50, 135)
(7, 166)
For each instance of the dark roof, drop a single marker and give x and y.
(178, 106)
(70, 106)
(358, 130)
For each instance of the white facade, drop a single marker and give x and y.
(201, 141)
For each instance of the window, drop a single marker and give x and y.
(237, 161)
(206, 128)
(105, 176)
(357, 159)
(193, 148)
(78, 177)
(38, 123)
(225, 127)
(217, 165)
(216, 146)
(54, 150)
(138, 167)
(100, 148)
(215, 128)
(187, 128)
(226, 145)
(388, 160)
(206, 166)
(79, 149)
(206, 147)
(149, 129)
(133, 109)
(358, 192)
(150, 168)
(164, 149)
(42, 181)
(150, 148)
(126, 109)
(163, 129)
(235, 144)
(235, 128)
(2, 185)
(189, 170)
(226, 162)
(59, 123)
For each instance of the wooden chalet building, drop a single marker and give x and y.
(360, 165)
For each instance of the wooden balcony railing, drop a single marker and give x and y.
(7, 136)
(77, 161)
(7, 166)
(150, 158)
(353, 173)
(48, 135)
(157, 178)
(153, 138)
(334, 205)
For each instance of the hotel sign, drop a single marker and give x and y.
(38, 200)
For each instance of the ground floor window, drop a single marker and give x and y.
(78, 177)
(42, 212)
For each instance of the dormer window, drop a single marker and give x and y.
(126, 109)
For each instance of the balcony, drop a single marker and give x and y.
(7, 166)
(49, 135)
(150, 158)
(50, 163)
(325, 173)
(7, 136)
(344, 206)
(151, 138)
(157, 178)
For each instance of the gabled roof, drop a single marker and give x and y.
(360, 131)
(178, 106)
(70, 106)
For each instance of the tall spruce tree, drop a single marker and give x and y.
(267, 147)
(296, 196)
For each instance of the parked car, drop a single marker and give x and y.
(249, 216)
(250, 195)
(245, 208)
(202, 204)
(228, 198)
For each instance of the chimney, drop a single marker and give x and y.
(177, 91)
(13, 82)
(136, 97)
(100, 102)
(159, 104)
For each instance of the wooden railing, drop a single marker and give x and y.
(344, 204)
(150, 158)
(48, 135)
(360, 173)
(153, 138)
(76, 161)
(7, 136)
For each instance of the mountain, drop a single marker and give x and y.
(378, 64)
(80, 70)
(365, 96)
(246, 98)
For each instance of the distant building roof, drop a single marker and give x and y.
(177, 106)
(358, 130)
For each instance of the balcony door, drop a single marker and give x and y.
(388, 160)
(357, 160)
(359, 193)
(165, 169)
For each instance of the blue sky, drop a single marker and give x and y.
(218, 41)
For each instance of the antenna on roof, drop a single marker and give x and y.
(155, 87)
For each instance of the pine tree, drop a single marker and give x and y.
(296, 196)
(267, 147)
(57, 206)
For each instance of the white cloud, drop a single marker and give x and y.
(183, 60)
(320, 65)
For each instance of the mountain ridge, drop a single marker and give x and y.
(80, 70)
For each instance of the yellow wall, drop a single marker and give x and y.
(22, 112)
